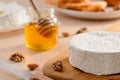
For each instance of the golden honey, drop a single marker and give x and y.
(40, 38)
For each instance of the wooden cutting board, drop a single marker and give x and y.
(71, 73)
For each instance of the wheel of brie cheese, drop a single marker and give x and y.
(96, 52)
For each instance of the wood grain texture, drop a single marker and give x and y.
(71, 73)
(114, 28)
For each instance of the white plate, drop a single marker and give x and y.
(7, 29)
(13, 16)
(109, 14)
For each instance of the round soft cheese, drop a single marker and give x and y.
(96, 52)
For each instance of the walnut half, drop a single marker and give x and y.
(17, 57)
(57, 66)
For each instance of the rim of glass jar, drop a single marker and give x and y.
(33, 17)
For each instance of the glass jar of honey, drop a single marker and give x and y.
(42, 34)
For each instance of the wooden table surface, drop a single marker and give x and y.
(13, 41)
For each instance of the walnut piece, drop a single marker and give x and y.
(57, 66)
(78, 32)
(65, 34)
(34, 79)
(17, 57)
(32, 66)
(82, 30)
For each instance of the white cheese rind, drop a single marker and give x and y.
(104, 62)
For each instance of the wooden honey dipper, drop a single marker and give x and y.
(43, 24)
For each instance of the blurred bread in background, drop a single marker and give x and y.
(112, 2)
(59, 2)
(95, 6)
(80, 5)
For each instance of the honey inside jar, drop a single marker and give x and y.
(40, 38)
